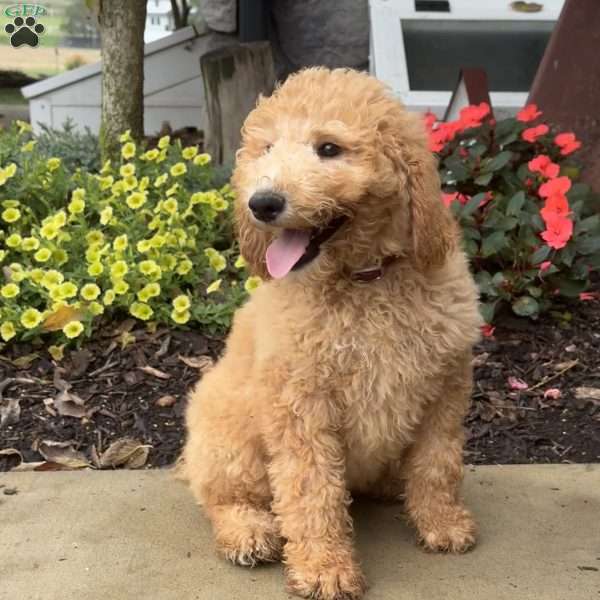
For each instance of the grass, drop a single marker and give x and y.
(11, 96)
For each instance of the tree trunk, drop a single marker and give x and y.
(122, 42)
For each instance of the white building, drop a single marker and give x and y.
(159, 20)
(173, 87)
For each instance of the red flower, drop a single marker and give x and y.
(555, 206)
(544, 166)
(488, 197)
(545, 265)
(448, 199)
(558, 231)
(567, 142)
(472, 116)
(529, 182)
(529, 113)
(533, 133)
(558, 186)
(586, 296)
(487, 331)
(430, 120)
(442, 134)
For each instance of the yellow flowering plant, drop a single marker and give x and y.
(148, 236)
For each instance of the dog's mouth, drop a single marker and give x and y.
(293, 249)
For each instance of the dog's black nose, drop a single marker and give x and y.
(266, 206)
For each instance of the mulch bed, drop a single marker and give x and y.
(121, 400)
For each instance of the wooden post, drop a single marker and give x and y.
(233, 79)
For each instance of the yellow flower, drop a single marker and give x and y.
(31, 318)
(180, 317)
(10, 170)
(141, 311)
(120, 243)
(106, 215)
(57, 352)
(14, 240)
(151, 290)
(60, 218)
(92, 254)
(49, 231)
(77, 204)
(95, 268)
(151, 154)
(161, 180)
(67, 290)
(172, 190)
(214, 286)
(252, 283)
(144, 183)
(52, 278)
(125, 137)
(240, 263)
(7, 331)
(181, 303)
(148, 267)
(202, 159)
(136, 200)
(158, 241)
(217, 262)
(23, 126)
(170, 262)
(10, 215)
(106, 182)
(109, 297)
(10, 290)
(52, 164)
(120, 287)
(178, 169)
(105, 168)
(170, 206)
(36, 275)
(73, 329)
(42, 255)
(127, 170)
(164, 141)
(30, 244)
(184, 266)
(189, 152)
(2, 255)
(210, 252)
(28, 147)
(143, 246)
(90, 291)
(60, 256)
(128, 150)
(117, 188)
(119, 269)
(94, 237)
(220, 204)
(96, 308)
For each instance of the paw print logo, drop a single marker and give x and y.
(24, 31)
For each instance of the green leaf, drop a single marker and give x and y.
(571, 288)
(540, 255)
(534, 291)
(516, 203)
(477, 150)
(470, 233)
(471, 248)
(484, 179)
(526, 306)
(472, 205)
(499, 161)
(588, 244)
(493, 243)
(586, 224)
(487, 310)
(485, 283)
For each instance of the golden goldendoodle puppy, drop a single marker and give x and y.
(350, 369)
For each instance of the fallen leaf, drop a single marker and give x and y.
(70, 405)
(571, 348)
(81, 361)
(61, 317)
(164, 347)
(125, 339)
(588, 393)
(514, 383)
(24, 362)
(12, 452)
(10, 412)
(197, 362)
(165, 401)
(552, 393)
(126, 452)
(61, 453)
(154, 372)
(480, 359)
(57, 352)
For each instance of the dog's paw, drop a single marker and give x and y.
(455, 532)
(251, 542)
(342, 581)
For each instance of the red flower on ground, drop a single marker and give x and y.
(533, 133)
(487, 331)
(558, 186)
(558, 231)
(555, 206)
(545, 265)
(567, 142)
(543, 165)
(529, 113)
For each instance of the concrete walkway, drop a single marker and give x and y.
(138, 536)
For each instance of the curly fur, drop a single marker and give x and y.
(328, 385)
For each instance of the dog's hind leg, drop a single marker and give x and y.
(433, 469)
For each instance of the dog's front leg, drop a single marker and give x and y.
(311, 502)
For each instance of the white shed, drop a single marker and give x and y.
(173, 87)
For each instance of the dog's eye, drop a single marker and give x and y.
(328, 150)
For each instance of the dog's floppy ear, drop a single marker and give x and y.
(434, 231)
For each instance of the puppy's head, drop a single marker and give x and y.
(333, 171)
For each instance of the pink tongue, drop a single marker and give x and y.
(285, 251)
